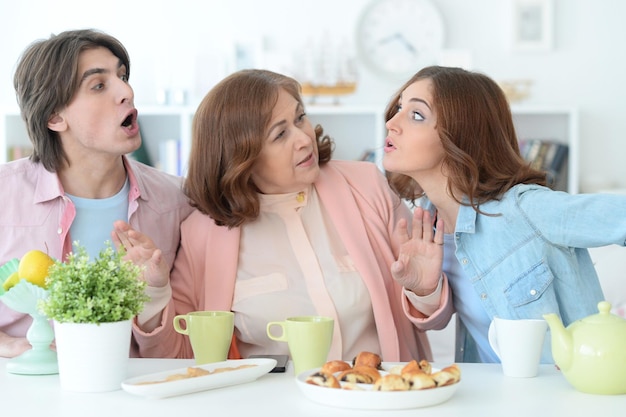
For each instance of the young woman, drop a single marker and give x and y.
(509, 246)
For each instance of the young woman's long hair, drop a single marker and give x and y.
(474, 122)
(228, 132)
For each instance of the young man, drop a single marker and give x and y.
(79, 110)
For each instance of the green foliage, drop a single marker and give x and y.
(107, 289)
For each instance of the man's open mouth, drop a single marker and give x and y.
(128, 121)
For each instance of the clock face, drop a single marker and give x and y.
(399, 37)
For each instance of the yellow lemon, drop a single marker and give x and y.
(13, 279)
(33, 267)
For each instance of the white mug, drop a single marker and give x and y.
(518, 344)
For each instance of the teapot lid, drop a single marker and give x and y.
(604, 316)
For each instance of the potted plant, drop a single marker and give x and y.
(92, 304)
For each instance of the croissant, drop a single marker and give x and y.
(419, 380)
(360, 374)
(396, 369)
(335, 366)
(447, 376)
(412, 366)
(323, 379)
(425, 366)
(391, 382)
(367, 359)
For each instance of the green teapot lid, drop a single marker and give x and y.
(604, 316)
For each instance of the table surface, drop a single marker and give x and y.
(483, 391)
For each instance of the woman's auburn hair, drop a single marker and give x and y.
(228, 132)
(474, 121)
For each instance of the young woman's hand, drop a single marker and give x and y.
(418, 267)
(141, 250)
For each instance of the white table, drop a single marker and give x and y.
(483, 392)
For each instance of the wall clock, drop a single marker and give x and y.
(396, 38)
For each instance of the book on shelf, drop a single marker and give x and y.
(549, 156)
(170, 160)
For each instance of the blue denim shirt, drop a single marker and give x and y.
(532, 258)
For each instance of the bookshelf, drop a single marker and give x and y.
(355, 129)
(166, 134)
(12, 133)
(553, 124)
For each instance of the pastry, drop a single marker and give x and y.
(412, 366)
(447, 376)
(335, 366)
(396, 369)
(413, 375)
(367, 359)
(392, 382)
(415, 366)
(360, 375)
(323, 379)
(419, 380)
(425, 366)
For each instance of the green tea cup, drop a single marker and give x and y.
(308, 337)
(210, 334)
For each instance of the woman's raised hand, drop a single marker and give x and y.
(418, 267)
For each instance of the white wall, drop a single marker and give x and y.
(184, 44)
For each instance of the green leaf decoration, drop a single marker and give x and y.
(107, 289)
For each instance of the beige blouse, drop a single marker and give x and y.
(291, 263)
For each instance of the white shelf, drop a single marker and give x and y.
(354, 130)
(552, 123)
(162, 123)
(12, 131)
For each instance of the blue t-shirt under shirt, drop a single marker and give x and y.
(94, 219)
(470, 310)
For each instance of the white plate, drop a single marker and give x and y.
(374, 400)
(200, 383)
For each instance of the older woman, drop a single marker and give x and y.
(281, 230)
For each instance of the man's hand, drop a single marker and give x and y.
(140, 249)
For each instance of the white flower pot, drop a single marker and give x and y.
(92, 357)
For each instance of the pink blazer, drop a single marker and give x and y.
(204, 273)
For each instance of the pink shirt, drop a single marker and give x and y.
(37, 215)
(292, 259)
(364, 211)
